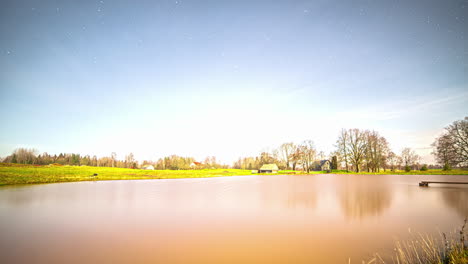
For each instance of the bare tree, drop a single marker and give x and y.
(307, 153)
(393, 160)
(23, 156)
(444, 151)
(342, 145)
(356, 147)
(285, 153)
(266, 158)
(130, 161)
(376, 151)
(409, 157)
(296, 157)
(113, 158)
(451, 148)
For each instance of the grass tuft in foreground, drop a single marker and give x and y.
(425, 249)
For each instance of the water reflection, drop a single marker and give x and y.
(74, 193)
(457, 198)
(257, 219)
(364, 196)
(287, 192)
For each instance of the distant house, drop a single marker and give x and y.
(268, 168)
(196, 165)
(147, 167)
(321, 165)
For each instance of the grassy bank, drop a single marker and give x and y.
(28, 174)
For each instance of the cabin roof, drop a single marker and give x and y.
(271, 167)
(320, 162)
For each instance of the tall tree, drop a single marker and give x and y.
(451, 148)
(307, 153)
(130, 161)
(409, 157)
(334, 163)
(376, 151)
(342, 145)
(356, 147)
(266, 158)
(393, 160)
(445, 151)
(296, 157)
(285, 152)
(113, 158)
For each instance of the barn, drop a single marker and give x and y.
(268, 168)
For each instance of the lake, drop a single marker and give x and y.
(244, 219)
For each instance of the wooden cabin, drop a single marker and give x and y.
(268, 168)
(147, 167)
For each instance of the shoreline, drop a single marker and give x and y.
(30, 174)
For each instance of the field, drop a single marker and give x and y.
(27, 174)
(30, 174)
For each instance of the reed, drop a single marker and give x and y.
(427, 249)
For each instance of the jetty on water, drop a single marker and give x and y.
(426, 183)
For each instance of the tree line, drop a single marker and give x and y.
(364, 150)
(30, 156)
(172, 162)
(287, 156)
(355, 150)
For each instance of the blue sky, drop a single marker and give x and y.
(227, 78)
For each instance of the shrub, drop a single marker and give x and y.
(424, 167)
(407, 168)
(446, 167)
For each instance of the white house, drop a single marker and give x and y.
(147, 167)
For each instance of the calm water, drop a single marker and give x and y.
(247, 219)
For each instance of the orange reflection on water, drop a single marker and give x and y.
(248, 219)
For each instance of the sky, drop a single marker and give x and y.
(228, 78)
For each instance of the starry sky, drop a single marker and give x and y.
(228, 78)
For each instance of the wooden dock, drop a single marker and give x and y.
(426, 183)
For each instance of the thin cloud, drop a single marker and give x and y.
(400, 109)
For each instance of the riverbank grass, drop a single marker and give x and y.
(451, 249)
(31, 174)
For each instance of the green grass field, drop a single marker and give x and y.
(29, 174)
